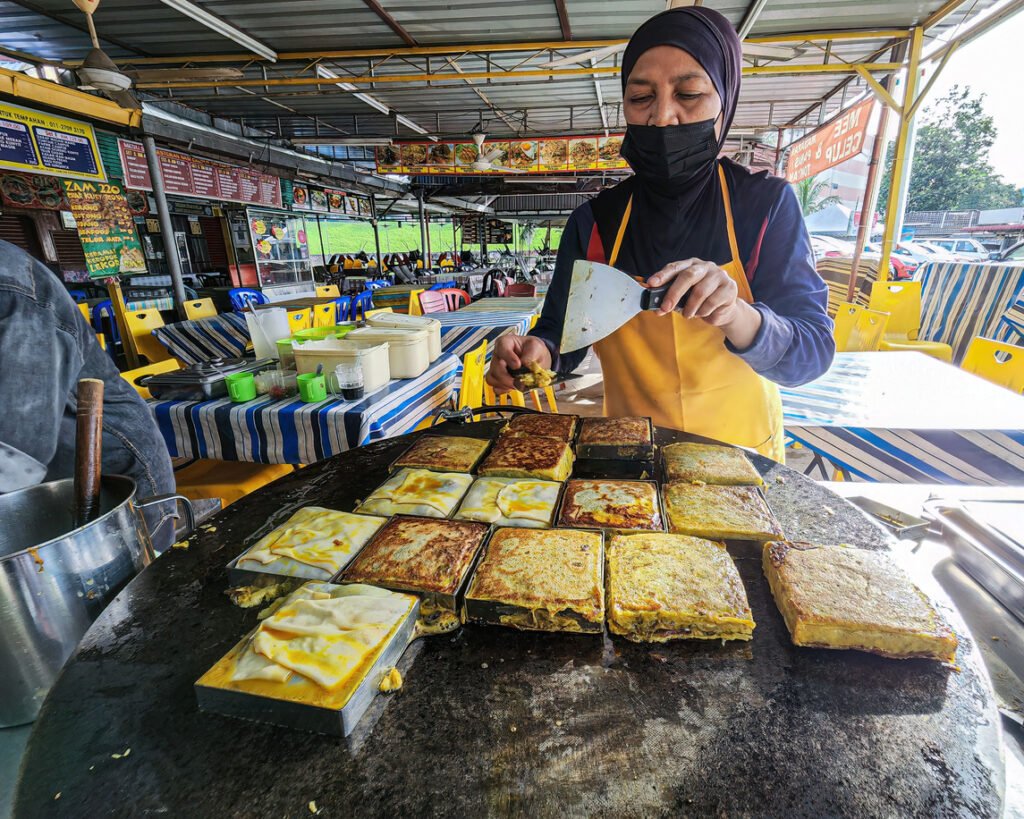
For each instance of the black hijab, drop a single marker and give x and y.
(689, 222)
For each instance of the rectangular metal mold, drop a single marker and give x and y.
(615, 452)
(658, 500)
(337, 722)
(489, 612)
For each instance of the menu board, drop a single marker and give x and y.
(307, 198)
(105, 228)
(202, 178)
(543, 155)
(44, 143)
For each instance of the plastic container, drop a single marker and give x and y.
(285, 354)
(265, 328)
(409, 349)
(318, 333)
(332, 351)
(403, 322)
(278, 384)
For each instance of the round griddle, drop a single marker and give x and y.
(496, 722)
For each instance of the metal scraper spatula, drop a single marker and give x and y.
(601, 300)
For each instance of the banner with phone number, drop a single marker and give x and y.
(44, 143)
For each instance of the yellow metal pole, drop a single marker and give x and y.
(899, 165)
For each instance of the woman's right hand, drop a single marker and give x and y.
(512, 353)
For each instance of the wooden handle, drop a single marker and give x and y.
(88, 450)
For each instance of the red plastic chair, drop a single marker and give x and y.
(521, 289)
(434, 301)
(455, 297)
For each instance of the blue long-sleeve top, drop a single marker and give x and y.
(794, 344)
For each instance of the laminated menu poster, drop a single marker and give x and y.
(43, 143)
(105, 228)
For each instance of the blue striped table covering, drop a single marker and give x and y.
(222, 336)
(289, 431)
(960, 301)
(903, 417)
(1011, 323)
(462, 332)
(135, 305)
(523, 304)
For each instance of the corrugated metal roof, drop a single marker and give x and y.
(54, 29)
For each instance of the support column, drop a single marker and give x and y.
(376, 244)
(901, 161)
(163, 213)
(423, 230)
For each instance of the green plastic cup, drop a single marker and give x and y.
(312, 387)
(241, 387)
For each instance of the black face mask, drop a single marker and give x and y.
(670, 158)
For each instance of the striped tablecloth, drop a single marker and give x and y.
(221, 336)
(903, 417)
(291, 432)
(463, 330)
(134, 305)
(521, 304)
(961, 301)
(1011, 323)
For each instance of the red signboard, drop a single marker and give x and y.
(201, 178)
(841, 138)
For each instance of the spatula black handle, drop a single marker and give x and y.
(654, 296)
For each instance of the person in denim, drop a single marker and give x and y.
(46, 346)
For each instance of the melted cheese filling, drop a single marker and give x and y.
(418, 492)
(511, 502)
(328, 638)
(314, 543)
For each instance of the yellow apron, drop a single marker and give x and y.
(679, 372)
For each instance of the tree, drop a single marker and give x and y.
(809, 195)
(951, 170)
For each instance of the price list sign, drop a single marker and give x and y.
(43, 143)
(105, 228)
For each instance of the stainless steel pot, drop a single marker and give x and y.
(56, 579)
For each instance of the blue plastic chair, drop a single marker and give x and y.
(437, 286)
(242, 297)
(362, 303)
(78, 295)
(105, 310)
(343, 306)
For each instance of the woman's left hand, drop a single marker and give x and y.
(711, 294)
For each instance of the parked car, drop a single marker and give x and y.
(830, 246)
(1014, 253)
(966, 250)
(938, 254)
(898, 269)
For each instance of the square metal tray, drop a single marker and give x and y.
(658, 500)
(304, 717)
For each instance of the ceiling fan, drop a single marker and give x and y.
(486, 162)
(596, 55)
(99, 73)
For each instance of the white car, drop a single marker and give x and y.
(936, 253)
(830, 246)
(966, 250)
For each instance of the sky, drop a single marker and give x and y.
(991, 64)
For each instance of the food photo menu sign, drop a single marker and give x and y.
(105, 228)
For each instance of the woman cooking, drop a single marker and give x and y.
(730, 243)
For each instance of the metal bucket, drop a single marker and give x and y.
(55, 579)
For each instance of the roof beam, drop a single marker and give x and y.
(563, 19)
(760, 70)
(391, 22)
(941, 13)
(498, 48)
(753, 12)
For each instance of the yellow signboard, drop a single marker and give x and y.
(44, 143)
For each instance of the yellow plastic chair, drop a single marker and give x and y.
(415, 308)
(328, 291)
(902, 301)
(203, 308)
(227, 480)
(324, 315)
(141, 324)
(169, 365)
(83, 308)
(513, 397)
(858, 329)
(471, 393)
(300, 319)
(379, 310)
(996, 361)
